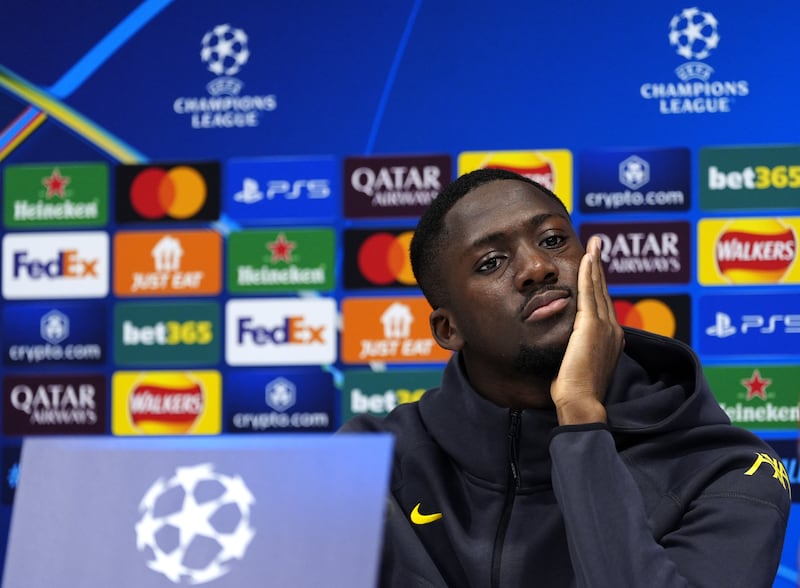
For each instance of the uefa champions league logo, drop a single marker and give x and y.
(693, 33)
(194, 524)
(224, 50)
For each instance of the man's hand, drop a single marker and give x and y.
(593, 349)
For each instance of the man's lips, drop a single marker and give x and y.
(545, 304)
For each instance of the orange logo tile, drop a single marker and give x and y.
(167, 263)
(393, 330)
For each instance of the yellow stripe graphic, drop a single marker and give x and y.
(68, 117)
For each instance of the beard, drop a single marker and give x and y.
(542, 362)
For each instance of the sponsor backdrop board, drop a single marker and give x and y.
(205, 222)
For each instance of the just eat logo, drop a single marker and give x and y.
(56, 265)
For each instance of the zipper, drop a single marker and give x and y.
(512, 485)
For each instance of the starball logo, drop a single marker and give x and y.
(694, 34)
(225, 50)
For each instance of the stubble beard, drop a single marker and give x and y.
(542, 362)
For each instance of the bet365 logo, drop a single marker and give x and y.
(167, 333)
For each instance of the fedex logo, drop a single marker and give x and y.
(66, 264)
(56, 265)
(280, 331)
(292, 330)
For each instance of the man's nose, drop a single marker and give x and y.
(535, 267)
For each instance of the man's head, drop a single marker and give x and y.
(431, 231)
(497, 257)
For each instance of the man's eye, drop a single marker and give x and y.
(489, 264)
(553, 241)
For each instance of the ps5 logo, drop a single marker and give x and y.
(723, 326)
(290, 190)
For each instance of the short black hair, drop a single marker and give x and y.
(430, 234)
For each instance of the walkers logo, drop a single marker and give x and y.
(281, 331)
(393, 186)
(388, 330)
(764, 397)
(177, 333)
(225, 50)
(750, 325)
(54, 405)
(787, 450)
(259, 190)
(288, 260)
(646, 253)
(378, 259)
(748, 251)
(550, 168)
(168, 192)
(166, 403)
(55, 265)
(736, 178)
(279, 401)
(378, 393)
(642, 180)
(669, 316)
(57, 195)
(63, 334)
(694, 35)
(178, 263)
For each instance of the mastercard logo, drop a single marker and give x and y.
(383, 258)
(178, 193)
(755, 251)
(648, 314)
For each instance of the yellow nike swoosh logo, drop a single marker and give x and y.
(423, 519)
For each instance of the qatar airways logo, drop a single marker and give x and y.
(393, 186)
(643, 252)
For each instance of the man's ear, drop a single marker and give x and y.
(444, 330)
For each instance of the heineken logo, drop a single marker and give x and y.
(55, 195)
(288, 260)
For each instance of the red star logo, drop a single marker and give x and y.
(56, 184)
(756, 386)
(281, 249)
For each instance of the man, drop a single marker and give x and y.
(561, 449)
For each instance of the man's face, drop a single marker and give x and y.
(510, 268)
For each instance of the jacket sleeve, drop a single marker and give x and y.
(730, 534)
